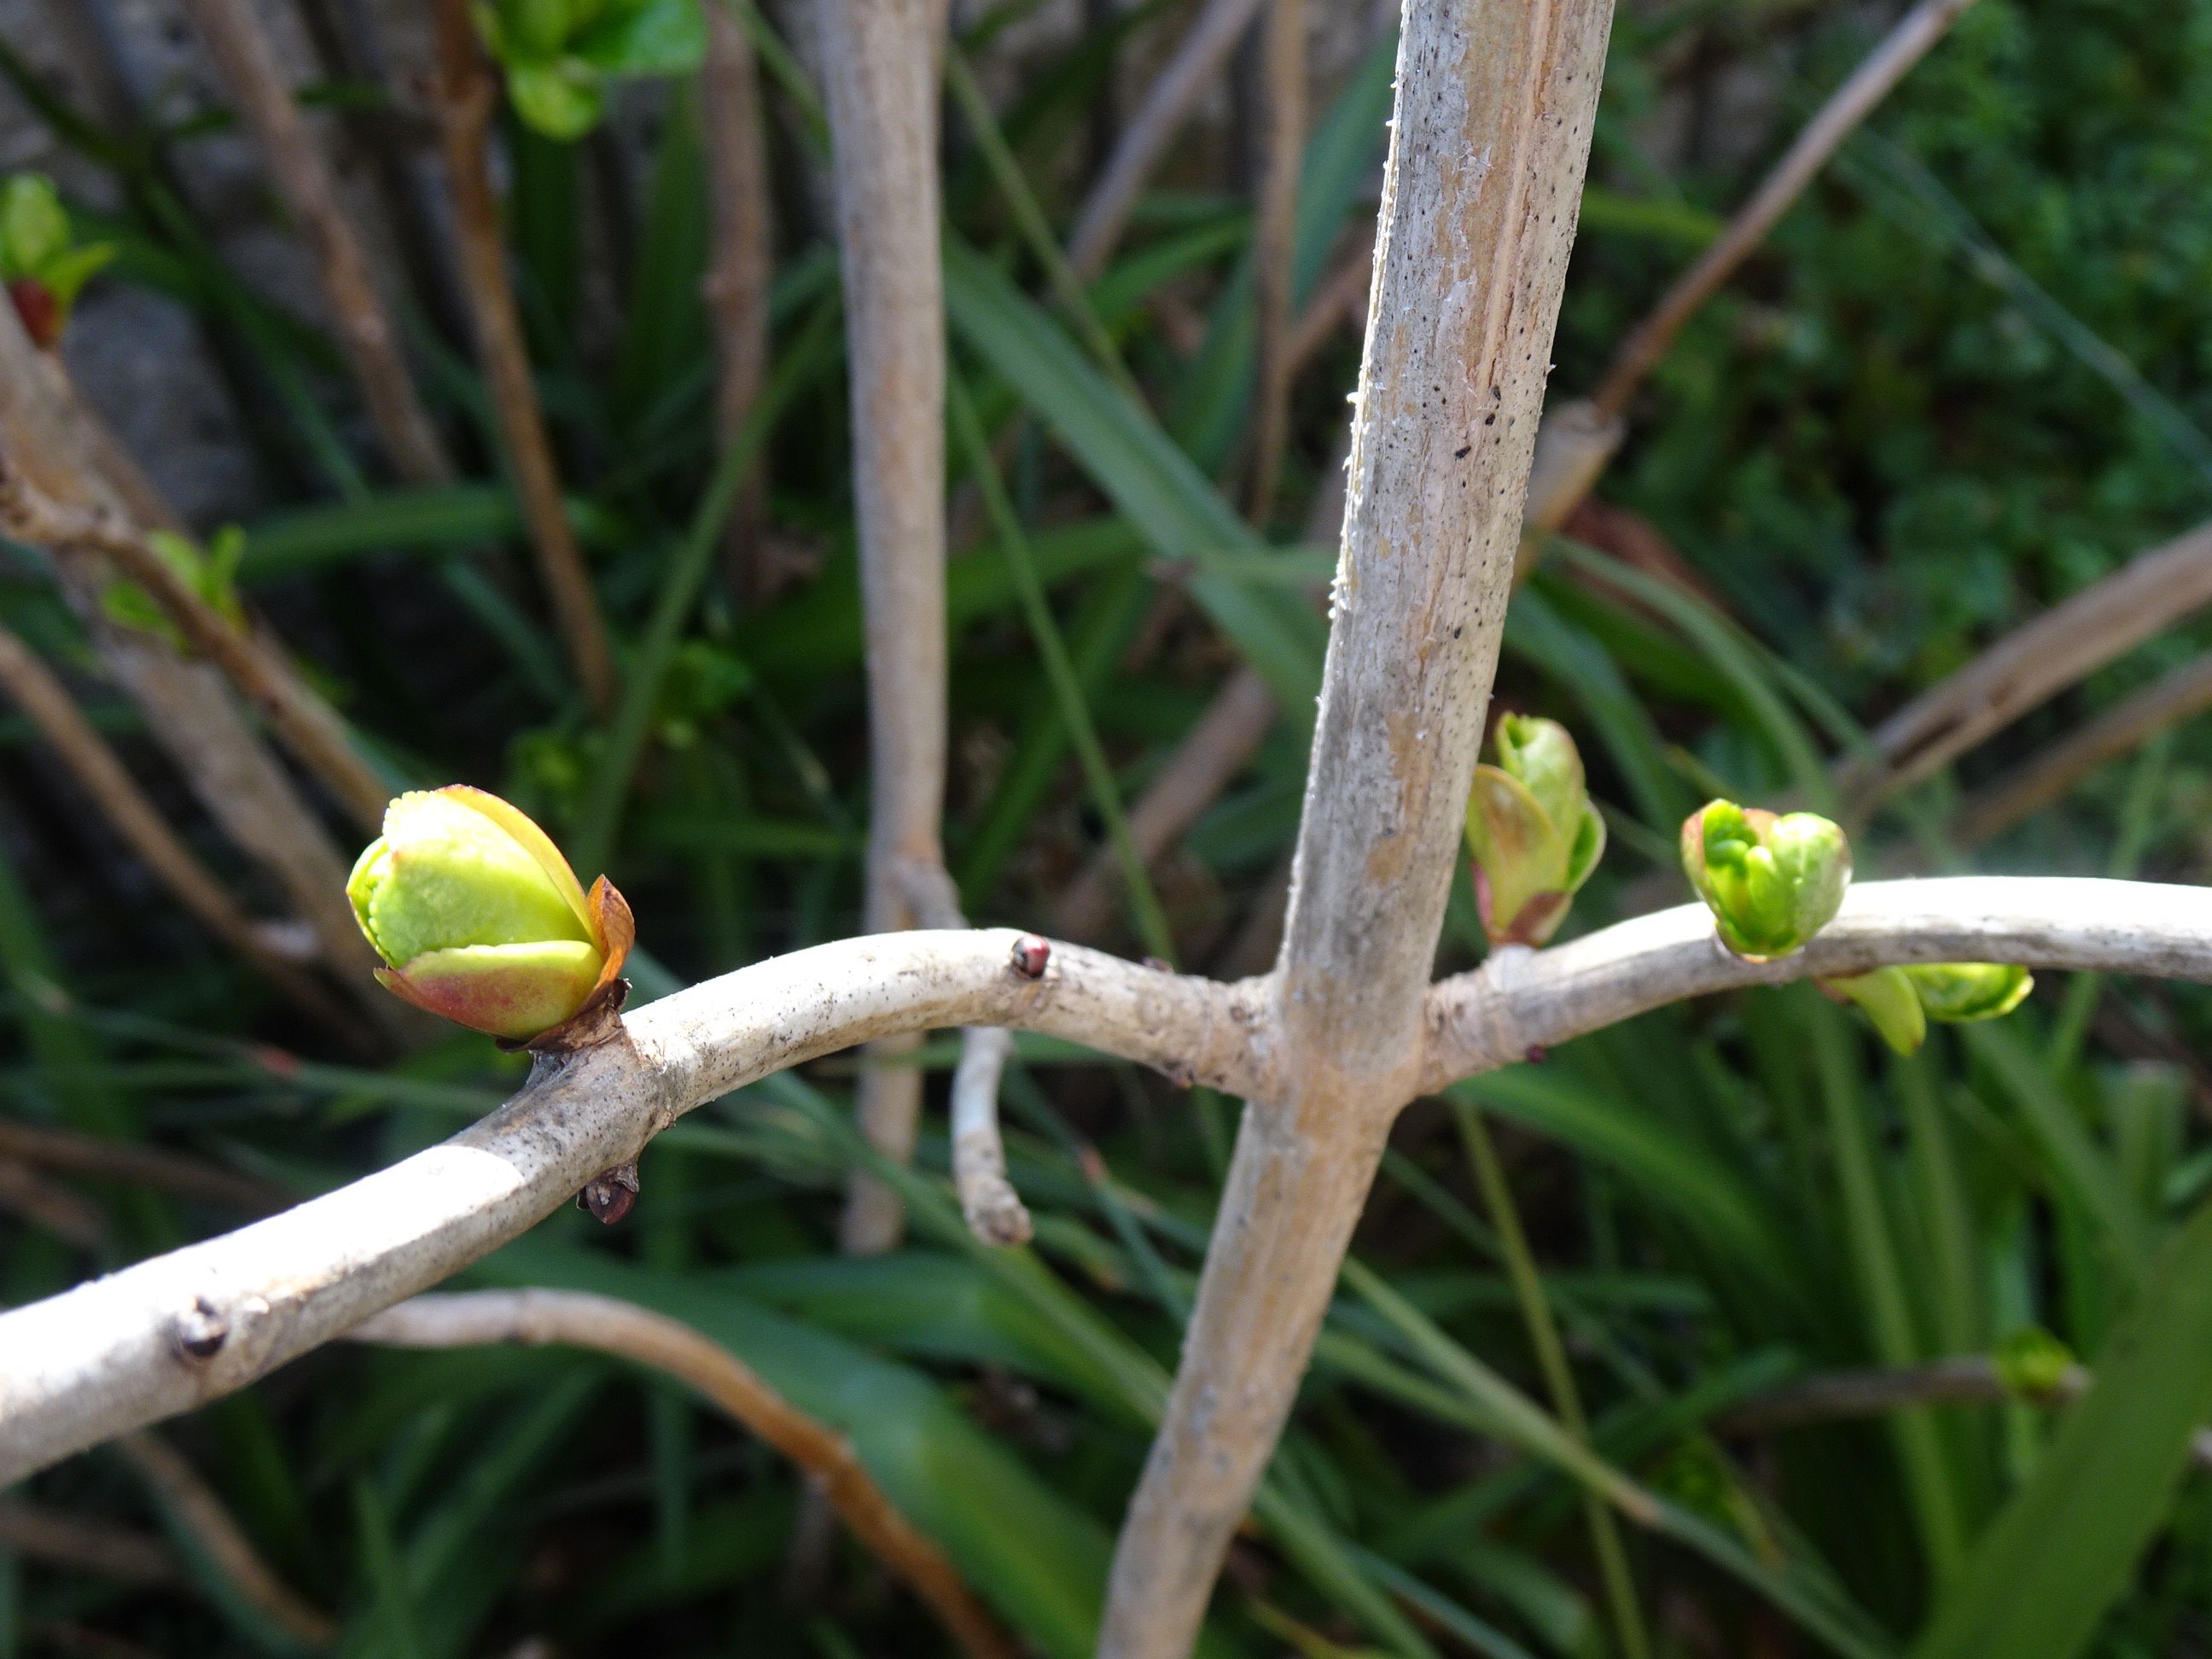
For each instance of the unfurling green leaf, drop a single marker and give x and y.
(560, 54)
(480, 920)
(43, 265)
(1887, 998)
(1900, 1002)
(1772, 883)
(1533, 832)
(2034, 1364)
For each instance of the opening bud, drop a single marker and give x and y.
(1772, 883)
(1533, 835)
(480, 920)
(1901, 1002)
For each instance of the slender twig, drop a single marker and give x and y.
(642, 1337)
(51, 1208)
(2057, 768)
(1212, 755)
(1471, 262)
(29, 683)
(309, 726)
(1849, 105)
(2032, 665)
(988, 1202)
(1146, 135)
(1969, 1380)
(1580, 436)
(102, 1158)
(1274, 227)
(738, 269)
(295, 159)
(1551, 1360)
(466, 96)
(52, 438)
(1338, 301)
(880, 61)
(80, 1545)
(202, 1517)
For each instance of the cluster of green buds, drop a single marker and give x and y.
(1533, 832)
(40, 260)
(560, 54)
(479, 919)
(1770, 882)
(1900, 1002)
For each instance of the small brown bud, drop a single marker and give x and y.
(201, 1330)
(1031, 954)
(609, 1194)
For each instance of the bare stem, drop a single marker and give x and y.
(295, 159)
(47, 704)
(740, 267)
(1471, 258)
(248, 656)
(466, 95)
(53, 441)
(881, 62)
(1144, 138)
(2053, 771)
(607, 1325)
(1847, 106)
(1283, 50)
(179, 1489)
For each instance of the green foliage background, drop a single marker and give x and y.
(1970, 374)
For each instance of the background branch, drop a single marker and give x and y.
(292, 152)
(738, 271)
(47, 704)
(607, 1325)
(881, 62)
(467, 97)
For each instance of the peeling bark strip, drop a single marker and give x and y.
(1490, 133)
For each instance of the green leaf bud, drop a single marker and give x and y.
(1772, 883)
(1533, 835)
(479, 919)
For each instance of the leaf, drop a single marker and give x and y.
(658, 37)
(560, 97)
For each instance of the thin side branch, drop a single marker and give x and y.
(293, 154)
(466, 95)
(1521, 1000)
(248, 657)
(580, 1320)
(1970, 1380)
(1175, 92)
(178, 1330)
(27, 682)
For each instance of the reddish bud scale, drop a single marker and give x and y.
(40, 314)
(1031, 954)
